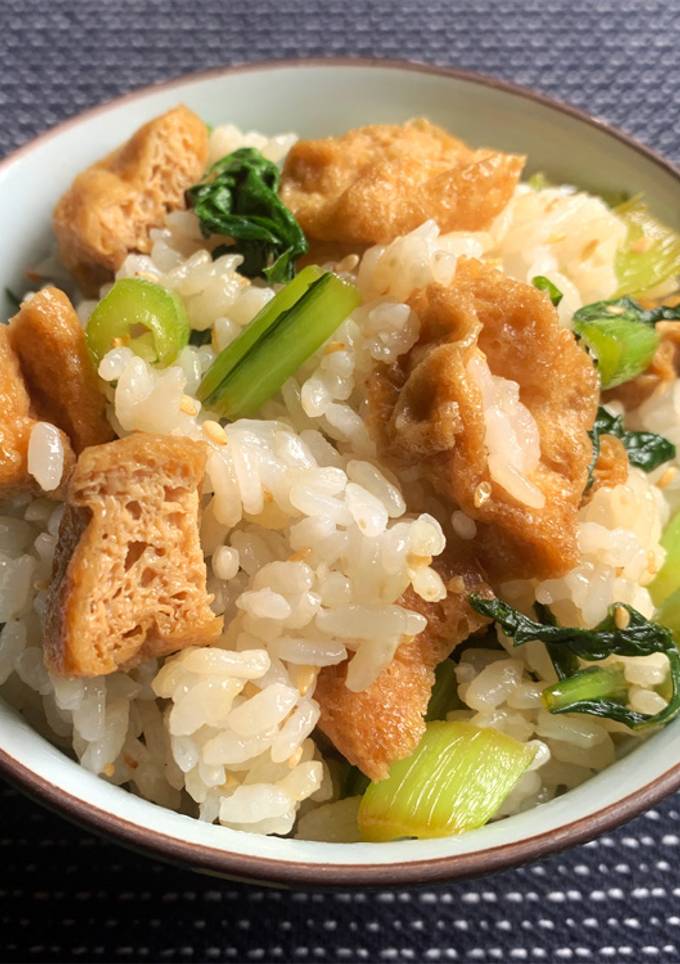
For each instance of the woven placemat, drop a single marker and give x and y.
(67, 896)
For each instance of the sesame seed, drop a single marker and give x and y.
(334, 346)
(189, 405)
(482, 494)
(667, 477)
(305, 676)
(641, 245)
(621, 617)
(109, 770)
(300, 554)
(590, 248)
(215, 432)
(295, 758)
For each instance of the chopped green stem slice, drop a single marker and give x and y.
(456, 780)
(295, 335)
(444, 696)
(146, 317)
(234, 353)
(538, 181)
(667, 580)
(650, 254)
(545, 284)
(591, 684)
(619, 336)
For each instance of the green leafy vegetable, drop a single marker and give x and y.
(646, 450)
(545, 284)
(667, 580)
(444, 696)
(651, 252)
(146, 317)
(640, 637)
(272, 348)
(239, 199)
(456, 780)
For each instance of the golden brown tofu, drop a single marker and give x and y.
(374, 183)
(17, 419)
(129, 579)
(50, 344)
(662, 371)
(429, 410)
(110, 207)
(385, 722)
(611, 467)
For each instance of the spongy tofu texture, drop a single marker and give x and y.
(385, 722)
(50, 344)
(129, 578)
(110, 207)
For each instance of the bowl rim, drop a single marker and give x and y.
(303, 873)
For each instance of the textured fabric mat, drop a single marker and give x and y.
(67, 896)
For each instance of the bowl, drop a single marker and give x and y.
(317, 98)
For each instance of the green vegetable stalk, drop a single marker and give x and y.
(274, 345)
(238, 199)
(667, 580)
(651, 252)
(146, 317)
(456, 780)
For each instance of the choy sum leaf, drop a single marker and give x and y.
(545, 284)
(646, 450)
(634, 635)
(238, 199)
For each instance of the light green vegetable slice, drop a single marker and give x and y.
(619, 336)
(444, 696)
(288, 341)
(455, 781)
(651, 252)
(667, 581)
(586, 686)
(149, 319)
(227, 360)
(668, 614)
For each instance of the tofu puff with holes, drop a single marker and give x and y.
(385, 722)
(129, 578)
(110, 207)
(494, 404)
(376, 182)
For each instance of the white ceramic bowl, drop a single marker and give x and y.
(317, 98)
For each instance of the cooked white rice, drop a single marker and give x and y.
(310, 544)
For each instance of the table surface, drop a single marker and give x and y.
(68, 896)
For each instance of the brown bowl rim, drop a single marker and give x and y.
(301, 873)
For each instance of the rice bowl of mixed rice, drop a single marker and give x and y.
(287, 606)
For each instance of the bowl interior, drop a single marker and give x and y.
(318, 99)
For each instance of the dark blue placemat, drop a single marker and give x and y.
(66, 896)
